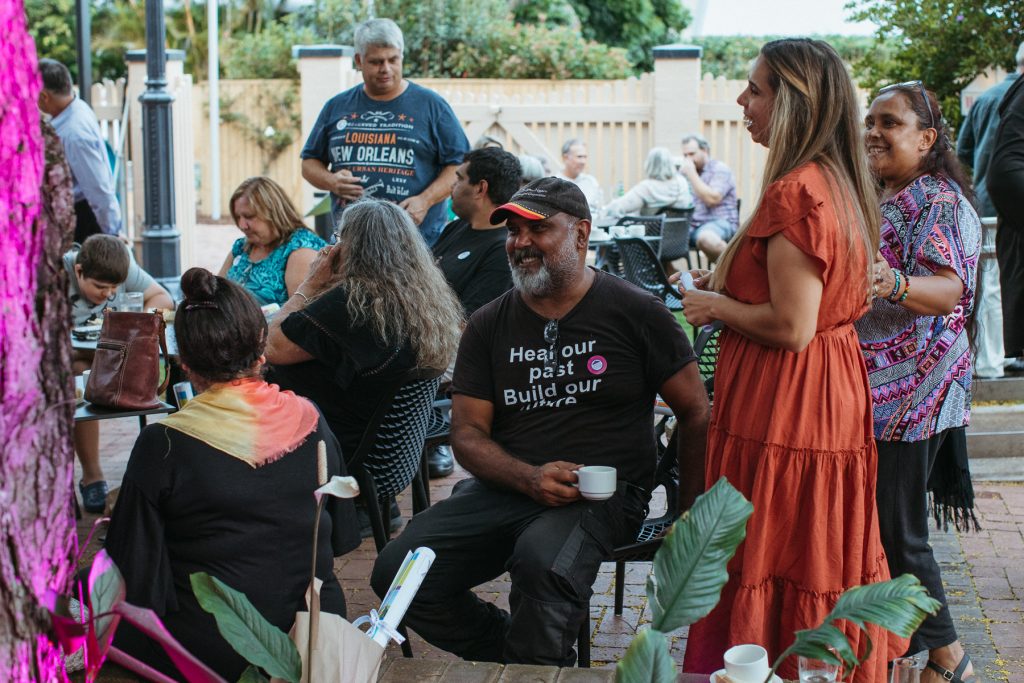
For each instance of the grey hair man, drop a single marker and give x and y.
(387, 138)
(574, 163)
(96, 207)
(559, 371)
(715, 214)
(974, 147)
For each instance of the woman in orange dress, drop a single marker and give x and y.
(792, 427)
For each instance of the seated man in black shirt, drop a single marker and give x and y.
(559, 372)
(471, 251)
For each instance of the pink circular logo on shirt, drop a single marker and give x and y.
(597, 365)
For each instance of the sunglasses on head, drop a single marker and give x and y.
(910, 85)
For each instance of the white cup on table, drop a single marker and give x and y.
(636, 230)
(746, 663)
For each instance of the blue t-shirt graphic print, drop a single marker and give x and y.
(397, 147)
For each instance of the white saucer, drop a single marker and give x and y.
(600, 496)
(715, 679)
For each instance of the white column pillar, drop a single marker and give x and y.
(324, 71)
(676, 93)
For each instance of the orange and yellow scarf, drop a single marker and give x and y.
(248, 419)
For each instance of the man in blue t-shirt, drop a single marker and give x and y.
(387, 138)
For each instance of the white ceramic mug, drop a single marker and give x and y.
(618, 231)
(636, 230)
(596, 482)
(746, 663)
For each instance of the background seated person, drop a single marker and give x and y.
(98, 270)
(574, 163)
(373, 307)
(715, 215)
(560, 371)
(662, 188)
(273, 258)
(471, 251)
(225, 486)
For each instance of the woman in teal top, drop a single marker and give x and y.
(273, 258)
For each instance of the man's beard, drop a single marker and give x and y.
(552, 274)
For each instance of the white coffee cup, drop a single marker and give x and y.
(636, 230)
(618, 231)
(596, 482)
(746, 663)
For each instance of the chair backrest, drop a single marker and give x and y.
(675, 238)
(641, 267)
(652, 224)
(706, 348)
(392, 444)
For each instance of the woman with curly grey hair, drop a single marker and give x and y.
(373, 307)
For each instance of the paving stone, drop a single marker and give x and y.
(525, 673)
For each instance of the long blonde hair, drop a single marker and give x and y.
(271, 204)
(815, 118)
(393, 285)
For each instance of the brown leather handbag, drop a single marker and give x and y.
(126, 368)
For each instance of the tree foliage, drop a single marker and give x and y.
(945, 43)
(731, 56)
(636, 25)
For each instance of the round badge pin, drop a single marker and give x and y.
(597, 365)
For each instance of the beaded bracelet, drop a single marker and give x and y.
(300, 293)
(898, 276)
(903, 297)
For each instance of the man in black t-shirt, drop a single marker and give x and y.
(559, 372)
(471, 251)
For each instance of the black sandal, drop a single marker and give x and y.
(951, 676)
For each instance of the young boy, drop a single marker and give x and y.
(100, 268)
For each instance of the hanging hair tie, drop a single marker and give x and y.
(190, 305)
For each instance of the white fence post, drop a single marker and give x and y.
(676, 93)
(324, 71)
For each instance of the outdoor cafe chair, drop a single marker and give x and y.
(648, 539)
(640, 266)
(706, 348)
(387, 461)
(675, 239)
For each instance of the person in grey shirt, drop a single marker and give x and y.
(96, 207)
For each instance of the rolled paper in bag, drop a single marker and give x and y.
(399, 596)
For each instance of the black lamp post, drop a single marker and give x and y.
(160, 235)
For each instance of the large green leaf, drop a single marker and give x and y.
(646, 660)
(246, 630)
(252, 675)
(899, 605)
(690, 567)
(322, 207)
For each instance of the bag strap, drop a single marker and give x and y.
(163, 349)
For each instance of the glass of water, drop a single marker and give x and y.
(904, 670)
(817, 670)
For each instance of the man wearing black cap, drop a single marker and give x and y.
(560, 371)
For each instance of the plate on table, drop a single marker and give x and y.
(720, 677)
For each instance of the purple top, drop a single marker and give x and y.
(718, 177)
(920, 365)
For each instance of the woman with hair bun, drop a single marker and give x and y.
(791, 424)
(273, 258)
(225, 486)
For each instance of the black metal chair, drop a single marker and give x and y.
(675, 239)
(706, 348)
(641, 267)
(389, 456)
(438, 434)
(648, 539)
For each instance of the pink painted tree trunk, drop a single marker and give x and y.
(36, 399)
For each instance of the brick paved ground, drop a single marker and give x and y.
(984, 572)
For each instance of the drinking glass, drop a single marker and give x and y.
(904, 670)
(817, 670)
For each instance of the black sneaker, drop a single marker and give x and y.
(440, 462)
(94, 496)
(366, 528)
